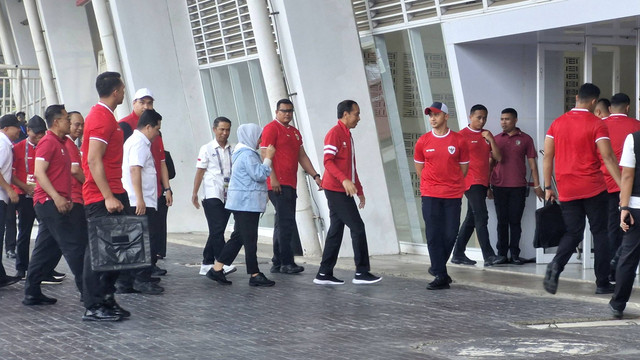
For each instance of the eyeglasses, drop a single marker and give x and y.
(286, 110)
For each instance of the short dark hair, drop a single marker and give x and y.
(108, 82)
(283, 101)
(477, 107)
(620, 99)
(73, 112)
(588, 91)
(511, 111)
(53, 112)
(604, 101)
(220, 119)
(20, 113)
(149, 117)
(345, 105)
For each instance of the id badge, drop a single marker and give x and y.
(226, 182)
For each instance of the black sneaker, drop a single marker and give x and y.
(260, 280)
(58, 275)
(324, 279)
(8, 280)
(148, 288)
(291, 269)
(430, 271)
(111, 304)
(462, 260)
(50, 280)
(365, 278)
(157, 271)
(615, 312)
(218, 276)
(275, 269)
(439, 283)
(100, 313)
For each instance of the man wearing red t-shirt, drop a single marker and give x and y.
(59, 232)
(23, 182)
(103, 193)
(441, 158)
(282, 183)
(573, 141)
(341, 184)
(482, 148)
(619, 125)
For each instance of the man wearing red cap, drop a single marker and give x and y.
(441, 159)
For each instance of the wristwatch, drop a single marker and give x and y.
(620, 208)
(547, 188)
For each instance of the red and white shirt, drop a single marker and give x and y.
(339, 159)
(577, 162)
(287, 140)
(23, 170)
(619, 126)
(101, 125)
(442, 156)
(479, 154)
(76, 160)
(52, 149)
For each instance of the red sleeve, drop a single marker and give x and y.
(531, 150)
(269, 136)
(73, 151)
(464, 151)
(359, 185)
(157, 147)
(601, 131)
(550, 132)
(102, 131)
(331, 147)
(418, 154)
(14, 150)
(45, 150)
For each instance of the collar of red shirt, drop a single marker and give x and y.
(344, 127)
(61, 139)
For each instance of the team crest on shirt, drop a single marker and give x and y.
(297, 137)
(452, 149)
(517, 142)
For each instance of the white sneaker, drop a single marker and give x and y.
(205, 268)
(228, 269)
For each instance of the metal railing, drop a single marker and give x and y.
(21, 90)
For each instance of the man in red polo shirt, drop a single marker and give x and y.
(59, 232)
(282, 183)
(103, 193)
(441, 159)
(619, 125)
(143, 100)
(509, 183)
(574, 141)
(482, 147)
(341, 184)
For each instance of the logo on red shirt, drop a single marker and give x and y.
(452, 150)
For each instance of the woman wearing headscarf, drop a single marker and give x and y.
(247, 199)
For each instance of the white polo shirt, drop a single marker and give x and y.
(137, 152)
(6, 162)
(217, 164)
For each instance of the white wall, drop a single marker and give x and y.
(26, 53)
(324, 66)
(157, 51)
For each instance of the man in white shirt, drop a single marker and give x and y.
(140, 181)
(213, 170)
(9, 132)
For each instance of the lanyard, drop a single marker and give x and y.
(26, 156)
(220, 161)
(353, 159)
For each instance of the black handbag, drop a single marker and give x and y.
(550, 226)
(119, 243)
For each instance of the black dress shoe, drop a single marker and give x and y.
(606, 289)
(38, 300)
(218, 276)
(111, 304)
(439, 283)
(291, 269)
(495, 260)
(615, 312)
(550, 282)
(275, 269)
(11, 254)
(100, 313)
(430, 271)
(517, 261)
(462, 260)
(158, 271)
(8, 280)
(148, 288)
(261, 280)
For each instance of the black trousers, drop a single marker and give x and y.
(344, 211)
(163, 209)
(26, 216)
(10, 229)
(3, 213)
(442, 220)
(98, 284)
(627, 264)
(573, 213)
(217, 219)
(245, 232)
(614, 232)
(127, 278)
(477, 218)
(285, 225)
(509, 203)
(58, 234)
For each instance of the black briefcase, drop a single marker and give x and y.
(119, 243)
(549, 226)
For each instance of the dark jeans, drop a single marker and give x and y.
(3, 212)
(442, 219)
(614, 232)
(245, 232)
(285, 225)
(127, 278)
(509, 202)
(477, 218)
(217, 219)
(26, 216)
(573, 213)
(11, 230)
(344, 211)
(58, 234)
(163, 209)
(627, 264)
(98, 284)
